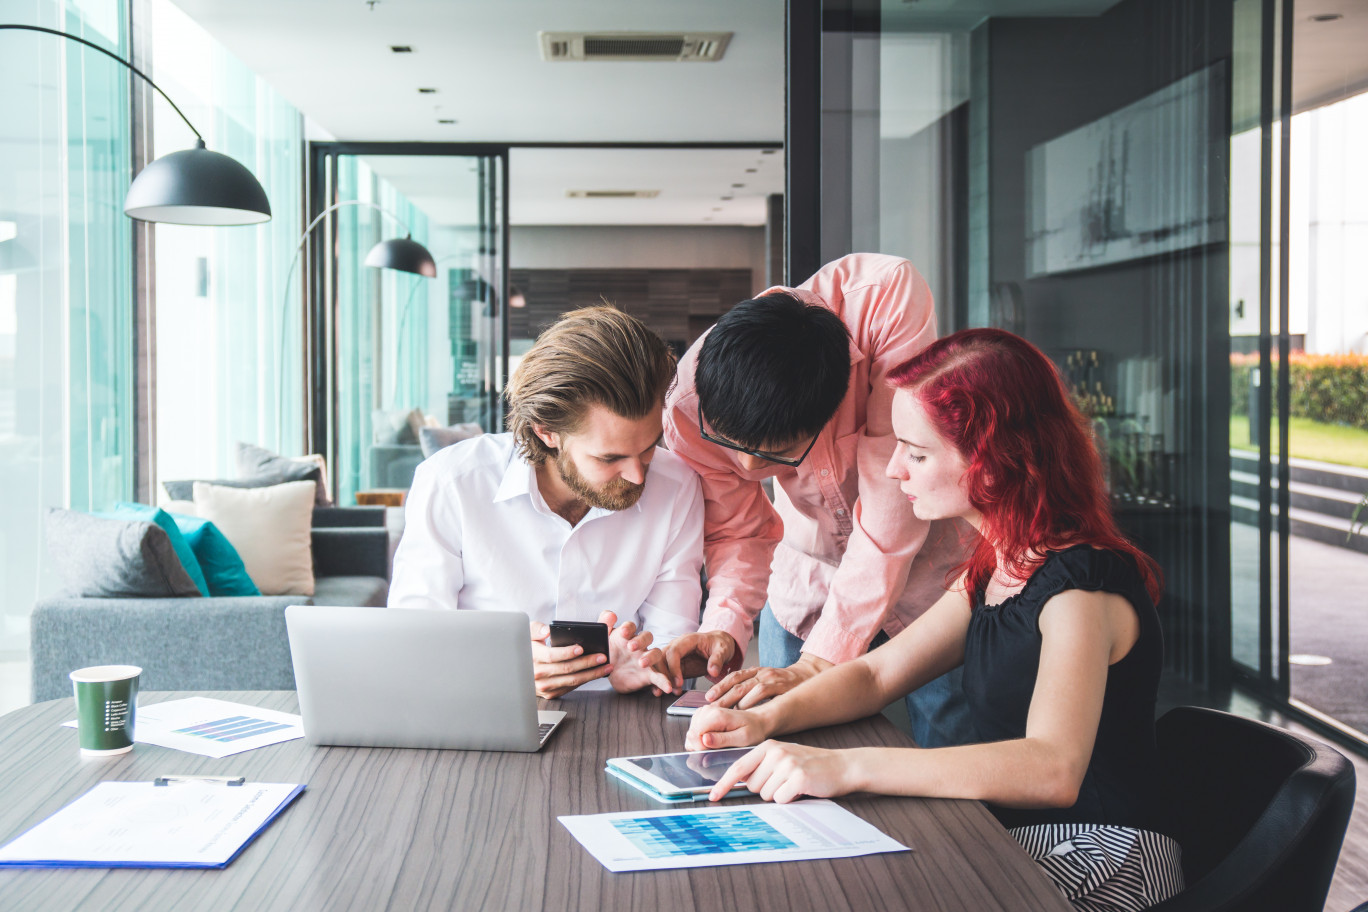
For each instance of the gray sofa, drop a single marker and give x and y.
(210, 643)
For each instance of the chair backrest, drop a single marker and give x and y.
(1259, 811)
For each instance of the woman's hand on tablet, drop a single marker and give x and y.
(782, 772)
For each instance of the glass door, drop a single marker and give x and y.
(400, 351)
(1259, 345)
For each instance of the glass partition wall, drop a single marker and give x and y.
(1077, 179)
(1165, 197)
(394, 351)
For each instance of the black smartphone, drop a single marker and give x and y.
(591, 635)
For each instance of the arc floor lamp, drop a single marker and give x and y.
(402, 254)
(189, 187)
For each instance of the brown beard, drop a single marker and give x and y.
(618, 494)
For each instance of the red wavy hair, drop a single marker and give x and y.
(1033, 472)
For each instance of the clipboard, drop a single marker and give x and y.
(171, 822)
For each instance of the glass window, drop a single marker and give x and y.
(223, 307)
(65, 288)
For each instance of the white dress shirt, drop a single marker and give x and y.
(478, 535)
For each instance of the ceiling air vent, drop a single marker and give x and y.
(612, 194)
(676, 46)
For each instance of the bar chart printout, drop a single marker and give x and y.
(748, 834)
(212, 728)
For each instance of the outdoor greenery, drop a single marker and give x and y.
(1330, 389)
(1311, 440)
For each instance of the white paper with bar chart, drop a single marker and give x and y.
(212, 728)
(748, 834)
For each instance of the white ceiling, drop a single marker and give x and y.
(332, 60)
(695, 186)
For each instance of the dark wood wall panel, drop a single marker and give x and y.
(679, 304)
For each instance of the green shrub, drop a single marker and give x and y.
(1329, 388)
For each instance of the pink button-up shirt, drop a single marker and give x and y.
(839, 554)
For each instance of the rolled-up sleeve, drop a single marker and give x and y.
(428, 566)
(895, 320)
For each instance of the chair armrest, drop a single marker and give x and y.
(348, 517)
(351, 552)
(180, 643)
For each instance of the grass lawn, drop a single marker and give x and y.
(1311, 440)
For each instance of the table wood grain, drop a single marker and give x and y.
(428, 829)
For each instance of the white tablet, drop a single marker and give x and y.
(693, 773)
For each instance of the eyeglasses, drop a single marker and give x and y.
(768, 457)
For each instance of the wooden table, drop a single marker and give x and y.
(429, 829)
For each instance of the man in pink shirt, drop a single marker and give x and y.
(792, 386)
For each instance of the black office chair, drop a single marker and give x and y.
(1260, 812)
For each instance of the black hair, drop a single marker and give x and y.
(773, 370)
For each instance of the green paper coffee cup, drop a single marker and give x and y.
(106, 702)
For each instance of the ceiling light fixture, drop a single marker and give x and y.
(1327, 17)
(445, 120)
(427, 91)
(401, 49)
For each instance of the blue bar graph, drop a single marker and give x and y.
(701, 834)
(233, 728)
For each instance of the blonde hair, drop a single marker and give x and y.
(591, 356)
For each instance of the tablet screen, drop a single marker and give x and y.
(698, 770)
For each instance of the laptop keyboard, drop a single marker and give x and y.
(544, 729)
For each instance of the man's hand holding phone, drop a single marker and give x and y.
(630, 664)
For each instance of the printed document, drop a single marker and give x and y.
(138, 824)
(212, 728)
(746, 834)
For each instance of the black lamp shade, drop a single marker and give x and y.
(403, 254)
(197, 187)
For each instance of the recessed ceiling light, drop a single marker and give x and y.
(750, 170)
(725, 198)
(738, 185)
(427, 91)
(445, 120)
(1327, 17)
(401, 49)
(717, 208)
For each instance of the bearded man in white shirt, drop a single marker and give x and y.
(572, 515)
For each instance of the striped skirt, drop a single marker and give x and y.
(1105, 868)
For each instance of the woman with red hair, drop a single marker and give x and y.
(1052, 617)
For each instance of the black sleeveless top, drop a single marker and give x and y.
(1002, 658)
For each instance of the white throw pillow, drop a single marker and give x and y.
(271, 529)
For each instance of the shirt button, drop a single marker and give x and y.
(840, 512)
(826, 472)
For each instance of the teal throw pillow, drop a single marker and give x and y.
(222, 566)
(143, 513)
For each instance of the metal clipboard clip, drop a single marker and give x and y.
(225, 780)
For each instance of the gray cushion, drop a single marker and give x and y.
(258, 462)
(371, 591)
(111, 558)
(433, 439)
(395, 427)
(185, 490)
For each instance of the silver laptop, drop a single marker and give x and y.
(408, 677)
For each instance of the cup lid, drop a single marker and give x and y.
(96, 674)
